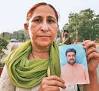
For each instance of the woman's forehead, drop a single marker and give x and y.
(43, 10)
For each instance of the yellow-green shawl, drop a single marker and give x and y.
(27, 74)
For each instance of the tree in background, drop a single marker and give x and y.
(83, 25)
(19, 35)
(6, 35)
(3, 45)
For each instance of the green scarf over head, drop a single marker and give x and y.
(27, 73)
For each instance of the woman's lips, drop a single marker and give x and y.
(44, 37)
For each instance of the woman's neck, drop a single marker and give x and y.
(42, 53)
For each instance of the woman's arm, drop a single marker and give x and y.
(5, 83)
(93, 86)
(93, 61)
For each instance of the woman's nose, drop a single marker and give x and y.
(44, 27)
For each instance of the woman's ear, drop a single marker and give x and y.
(25, 26)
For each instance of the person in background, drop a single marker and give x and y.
(35, 65)
(65, 37)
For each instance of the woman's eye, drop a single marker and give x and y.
(51, 21)
(36, 20)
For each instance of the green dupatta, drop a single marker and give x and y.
(27, 74)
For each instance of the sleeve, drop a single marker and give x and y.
(5, 83)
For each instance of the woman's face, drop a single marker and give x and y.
(42, 26)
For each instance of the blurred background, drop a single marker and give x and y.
(79, 20)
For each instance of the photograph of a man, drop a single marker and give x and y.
(73, 72)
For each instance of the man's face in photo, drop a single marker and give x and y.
(71, 58)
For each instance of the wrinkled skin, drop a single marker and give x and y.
(92, 55)
(93, 61)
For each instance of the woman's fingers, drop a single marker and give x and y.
(87, 44)
(55, 83)
(55, 78)
(52, 83)
(52, 88)
(90, 49)
(92, 55)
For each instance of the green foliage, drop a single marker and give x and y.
(83, 25)
(5, 35)
(3, 44)
(19, 35)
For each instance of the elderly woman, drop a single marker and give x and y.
(35, 66)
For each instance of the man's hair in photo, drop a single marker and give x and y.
(70, 50)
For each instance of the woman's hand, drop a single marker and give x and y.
(92, 55)
(93, 61)
(52, 83)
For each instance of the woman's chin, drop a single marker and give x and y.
(44, 44)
